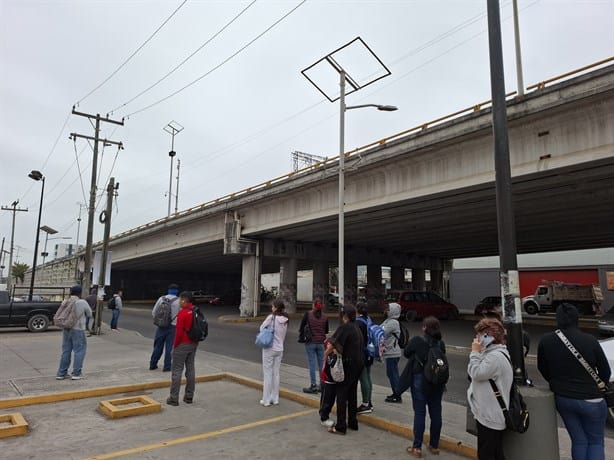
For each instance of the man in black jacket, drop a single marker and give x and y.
(578, 399)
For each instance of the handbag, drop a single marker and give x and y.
(471, 424)
(607, 389)
(265, 337)
(304, 336)
(336, 370)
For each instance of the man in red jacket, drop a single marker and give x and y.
(184, 351)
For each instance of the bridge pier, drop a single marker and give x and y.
(287, 282)
(320, 281)
(418, 279)
(350, 283)
(397, 277)
(375, 289)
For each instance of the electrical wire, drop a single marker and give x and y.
(220, 64)
(79, 169)
(185, 60)
(132, 55)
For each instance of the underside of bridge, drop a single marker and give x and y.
(555, 210)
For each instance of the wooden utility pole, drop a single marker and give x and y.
(13, 209)
(111, 192)
(92, 205)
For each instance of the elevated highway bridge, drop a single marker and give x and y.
(415, 200)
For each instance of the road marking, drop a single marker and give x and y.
(197, 437)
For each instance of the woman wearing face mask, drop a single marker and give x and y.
(489, 359)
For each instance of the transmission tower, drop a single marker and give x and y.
(302, 159)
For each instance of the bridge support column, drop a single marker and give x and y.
(250, 286)
(351, 283)
(437, 281)
(320, 281)
(397, 277)
(418, 279)
(375, 289)
(287, 283)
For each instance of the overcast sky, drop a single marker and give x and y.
(251, 106)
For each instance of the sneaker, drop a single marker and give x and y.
(364, 409)
(327, 423)
(393, 399)
(172, 402)
(153, 368)
(76, 377)
(187, 401)
(265, 404)
(60, 377)
(313, 389)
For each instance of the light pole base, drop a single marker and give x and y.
(541, 440)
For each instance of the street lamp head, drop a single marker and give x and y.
(387, 108)
(36, 175)
(172, 153)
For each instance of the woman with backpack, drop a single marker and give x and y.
(316, 323)
(426, 389)
(489, 360)
(271, 357)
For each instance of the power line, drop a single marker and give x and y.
(220, 64)
(132, 55)
(185, 60)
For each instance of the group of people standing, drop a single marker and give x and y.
(578, 399)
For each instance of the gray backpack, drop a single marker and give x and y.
(66, 316)
(163, 316)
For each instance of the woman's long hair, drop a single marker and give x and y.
(432, 327)
(280, 307)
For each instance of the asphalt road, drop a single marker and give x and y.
(237, 340)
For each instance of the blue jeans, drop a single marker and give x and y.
(163, 342)
(315, 352)
(421, 399)
(392, 371)
(73, 340)
(585, 423)
(114, 318)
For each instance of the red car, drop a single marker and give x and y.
(420, 304)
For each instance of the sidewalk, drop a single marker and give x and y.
(28, 363)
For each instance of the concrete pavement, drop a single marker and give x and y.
(225, 420)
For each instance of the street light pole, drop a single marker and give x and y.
(173, 128)
(36, 175)
(341, 236)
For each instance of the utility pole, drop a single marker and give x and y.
(92, 205)
(13, 209)
(111, 191)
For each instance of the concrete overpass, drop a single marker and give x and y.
(415, 200)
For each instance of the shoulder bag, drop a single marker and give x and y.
(265, 337)
(607, 389)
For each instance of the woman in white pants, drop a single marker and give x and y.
(271, 357)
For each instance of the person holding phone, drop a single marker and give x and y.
(489, 359)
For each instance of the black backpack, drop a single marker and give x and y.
(436, 368)
(517, 415)
(200, 328)
(403, 337)
(111, 304)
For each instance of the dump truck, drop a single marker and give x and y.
(548, 296)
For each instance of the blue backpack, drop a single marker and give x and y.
(375, 338)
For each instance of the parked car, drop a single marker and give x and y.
(605, 325)
(36, 316)
(420, 304)
(490, 303)
(608, 349)
(200, 297)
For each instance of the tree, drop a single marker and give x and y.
(19, 270)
